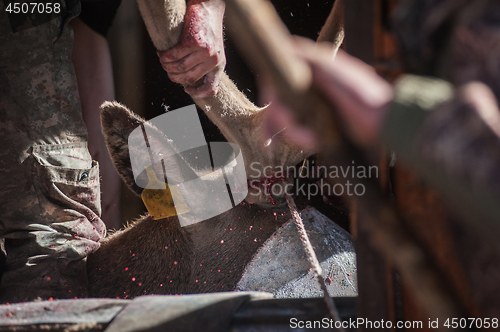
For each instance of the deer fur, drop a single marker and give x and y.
(204, 257)
(159, 256)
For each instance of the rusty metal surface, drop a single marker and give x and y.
(200, 312)
(232, 311)
(81, 311)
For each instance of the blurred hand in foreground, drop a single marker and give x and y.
(352, 87)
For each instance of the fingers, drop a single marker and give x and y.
(351, 86)
(199, 55)
(480, 97)
(314, 52)
(176, 53)
(193, 67)
(356, 91)
(192, 75)
(209, 87)
(281, 123)
(359, 95)
(184, 64)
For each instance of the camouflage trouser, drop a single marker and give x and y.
(49, 185)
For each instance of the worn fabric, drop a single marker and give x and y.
(434, 130)
(460, 42)
(451, 146)
(49, 197)
(415, 97)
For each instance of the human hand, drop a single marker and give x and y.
(352, 87)
(200, 51)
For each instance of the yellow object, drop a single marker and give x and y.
(160, 202)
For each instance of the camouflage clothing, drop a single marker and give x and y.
(436, 128)
(430, 124)
(49, 197)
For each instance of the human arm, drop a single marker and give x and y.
(200, 50)
(352, 87)
(441, 131)
(92, 63)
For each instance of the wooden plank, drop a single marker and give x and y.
(426, 215)
(374, 293)
(198, 312)
(78, 311)
(359, 34)
(374, 275)
(201, 312)
(276, 315)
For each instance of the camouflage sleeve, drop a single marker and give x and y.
(415, 97)
(442, 136)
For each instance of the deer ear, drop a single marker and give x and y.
(117, 123)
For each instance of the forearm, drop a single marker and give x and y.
(92, 63)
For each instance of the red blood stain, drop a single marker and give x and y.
(267, 183)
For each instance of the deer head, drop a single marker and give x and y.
(167, 159)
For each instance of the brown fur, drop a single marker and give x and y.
(210, 255)
(140, 258)
(164, 20)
